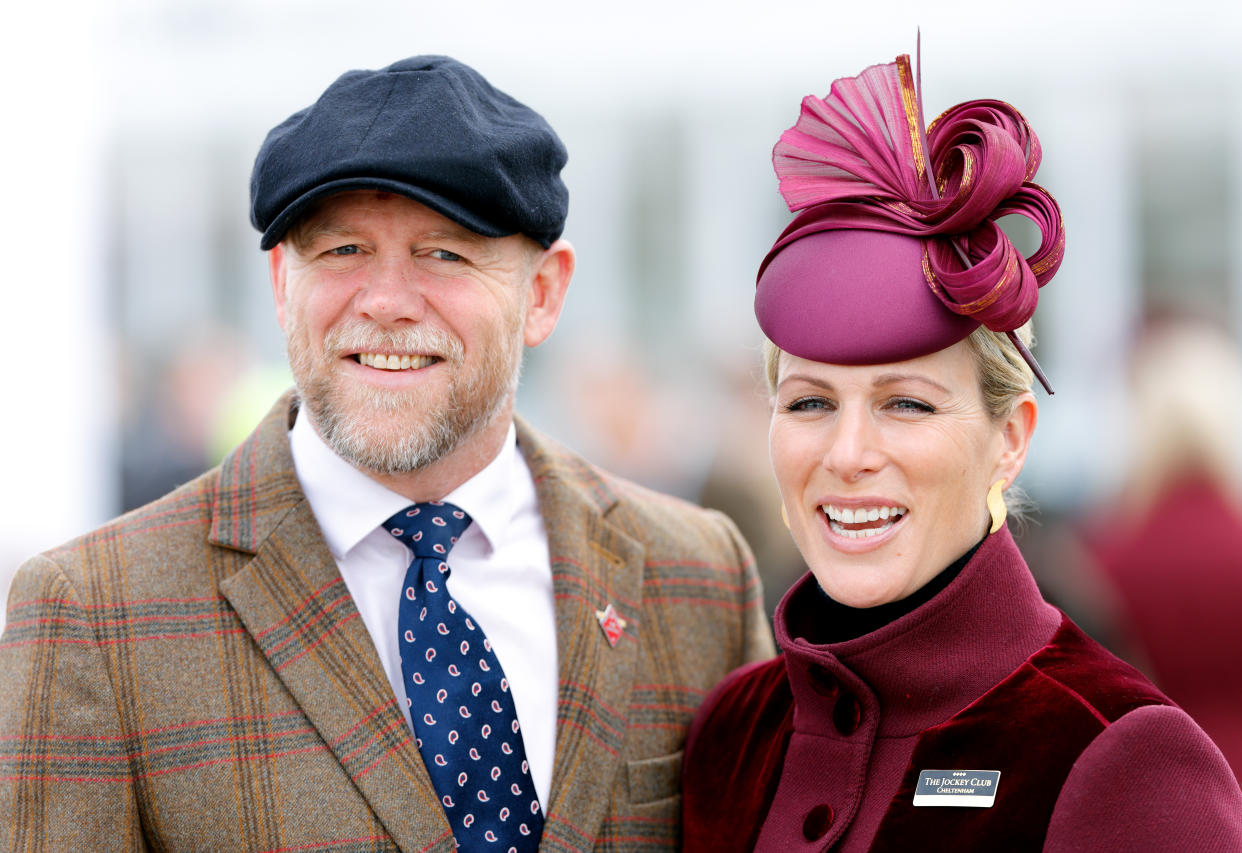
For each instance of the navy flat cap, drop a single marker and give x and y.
(429, 128)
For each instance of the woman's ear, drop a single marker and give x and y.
(1016, 432)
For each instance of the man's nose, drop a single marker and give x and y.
(393, 293)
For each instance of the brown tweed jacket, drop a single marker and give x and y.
(194, 675)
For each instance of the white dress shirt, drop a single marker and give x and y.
(501, 572)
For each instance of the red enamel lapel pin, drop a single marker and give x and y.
(612, 623)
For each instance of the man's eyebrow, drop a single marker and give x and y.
(463, 235)
(328, 228)
(314, 230)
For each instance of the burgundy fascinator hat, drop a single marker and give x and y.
(896, 252)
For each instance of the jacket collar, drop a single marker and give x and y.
(258, 486)
(595, 563)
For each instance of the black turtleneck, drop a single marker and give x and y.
(829, 621)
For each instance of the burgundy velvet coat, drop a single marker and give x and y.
(821, 748)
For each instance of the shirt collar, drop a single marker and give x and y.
(349, 505)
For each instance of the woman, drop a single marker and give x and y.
(928, 698)
(1169, 544)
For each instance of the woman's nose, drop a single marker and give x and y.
(855, 446)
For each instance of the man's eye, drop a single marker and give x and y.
(446, 255)
(344, 250)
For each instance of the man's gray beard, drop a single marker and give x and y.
(374, 431)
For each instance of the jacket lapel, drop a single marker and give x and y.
(594, 564)
(294, 604)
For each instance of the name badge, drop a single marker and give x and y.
(974, 789)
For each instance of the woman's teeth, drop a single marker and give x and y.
(862, 513)
(395, 362)
(838, 517)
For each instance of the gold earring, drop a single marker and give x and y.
(996, 505)
(784, 516)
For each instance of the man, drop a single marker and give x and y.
(271, 658)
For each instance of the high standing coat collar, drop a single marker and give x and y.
(903, 678)
(994, 597)
(296, 607)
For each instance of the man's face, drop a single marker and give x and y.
(404, 329)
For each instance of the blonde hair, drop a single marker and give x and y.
(1004, 374)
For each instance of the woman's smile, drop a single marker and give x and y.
(863, 521)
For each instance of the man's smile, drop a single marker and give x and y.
(384, 361)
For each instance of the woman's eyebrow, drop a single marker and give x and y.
(879, 382)
(892, 378)
(807, 378)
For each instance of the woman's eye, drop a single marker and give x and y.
(907, 404)
(808, 404)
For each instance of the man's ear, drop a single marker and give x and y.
(276, 267)
(1016, 435)
(553, 270)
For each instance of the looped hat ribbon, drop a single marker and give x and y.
(859, 159)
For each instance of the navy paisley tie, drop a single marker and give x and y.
(465, 722)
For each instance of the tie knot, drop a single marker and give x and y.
(429, 529)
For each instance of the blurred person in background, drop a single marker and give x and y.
(329, 640)
(928, 697)
(169, 439)
(1170, 543)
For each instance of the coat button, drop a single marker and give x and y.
(847, 714)
(817, 823)
(822, 681)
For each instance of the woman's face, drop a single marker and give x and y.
(884, 469)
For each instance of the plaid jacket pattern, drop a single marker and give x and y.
(195, 675)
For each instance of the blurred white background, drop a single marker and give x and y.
(139, 312)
